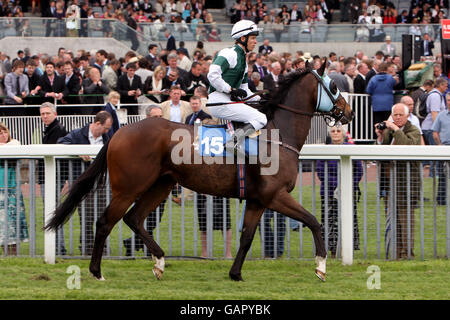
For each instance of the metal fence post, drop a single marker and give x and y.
(50, 202)
(347, 210)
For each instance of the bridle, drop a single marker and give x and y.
(332, 116)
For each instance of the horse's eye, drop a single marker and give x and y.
(333, 88)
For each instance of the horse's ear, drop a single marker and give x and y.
(307, 66)
(322, 68)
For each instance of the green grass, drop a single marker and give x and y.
(188, 243)
(291, 279)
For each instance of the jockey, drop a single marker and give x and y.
(229, 82)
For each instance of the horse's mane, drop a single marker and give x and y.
(277, 97)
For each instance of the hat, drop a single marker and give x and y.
(388, 38)
(134, 59)
(307, 57)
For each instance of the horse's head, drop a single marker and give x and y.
(330, 102)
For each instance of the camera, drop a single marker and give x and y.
(381, 126)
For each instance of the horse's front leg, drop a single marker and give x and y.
(253, 213)
(284, 203)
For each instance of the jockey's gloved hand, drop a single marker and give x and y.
(237, 94)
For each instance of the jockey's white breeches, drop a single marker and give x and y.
(235, 112)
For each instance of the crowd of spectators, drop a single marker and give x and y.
(354, 11)
(84, 77)
(74, 18)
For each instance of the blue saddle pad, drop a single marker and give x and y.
(212, 140)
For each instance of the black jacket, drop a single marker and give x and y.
(123, 86)
(269, 82)
(58, 87)
(171, 44)
(359, 84)
(80, 136)
(73, 88)
(193, 82)
(53, 132)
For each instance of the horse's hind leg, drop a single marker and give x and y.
(286, 204)
(135, 218)
(113, 213)
(253, 213)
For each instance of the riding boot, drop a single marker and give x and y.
(239, 145)
(247, 130)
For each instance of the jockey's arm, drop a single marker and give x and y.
(249, 92)
(216, 80)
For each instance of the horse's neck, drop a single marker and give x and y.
(284, 121)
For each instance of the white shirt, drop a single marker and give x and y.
(93, 140)
(415, 121)
(175, 112)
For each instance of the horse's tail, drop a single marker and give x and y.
(95, 173)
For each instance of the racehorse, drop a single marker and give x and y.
(142, 171)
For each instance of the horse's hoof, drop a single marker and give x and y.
(236, 277)
(158, 273)
(99, 277)
(322, 276)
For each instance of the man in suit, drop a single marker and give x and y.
(197, 112)
(33, 86)
(95, 88)
(265, 48)
(295, 14)
(94, 133)
(52, 86)
(84, 6)
(130, 87)
(49, 13)
(171, 43)
(53, 130)
(388, 48)
(359, 83)
(101, 60)
(258, 66)
(428, 45)
(327, 10)
(174, 109)
(132, 24)
(152, 56)
(73, 85)
(375, 66)
(271, 80)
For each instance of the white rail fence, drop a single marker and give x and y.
(345, 154)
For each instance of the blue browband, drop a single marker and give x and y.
(326, 101)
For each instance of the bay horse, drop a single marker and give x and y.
(141, 171)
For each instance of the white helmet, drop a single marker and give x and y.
(243, 28)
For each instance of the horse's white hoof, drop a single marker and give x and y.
(322, 276)
(158, 273)
(99, 279)
(321, 269)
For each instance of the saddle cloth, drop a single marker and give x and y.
(212, 140)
